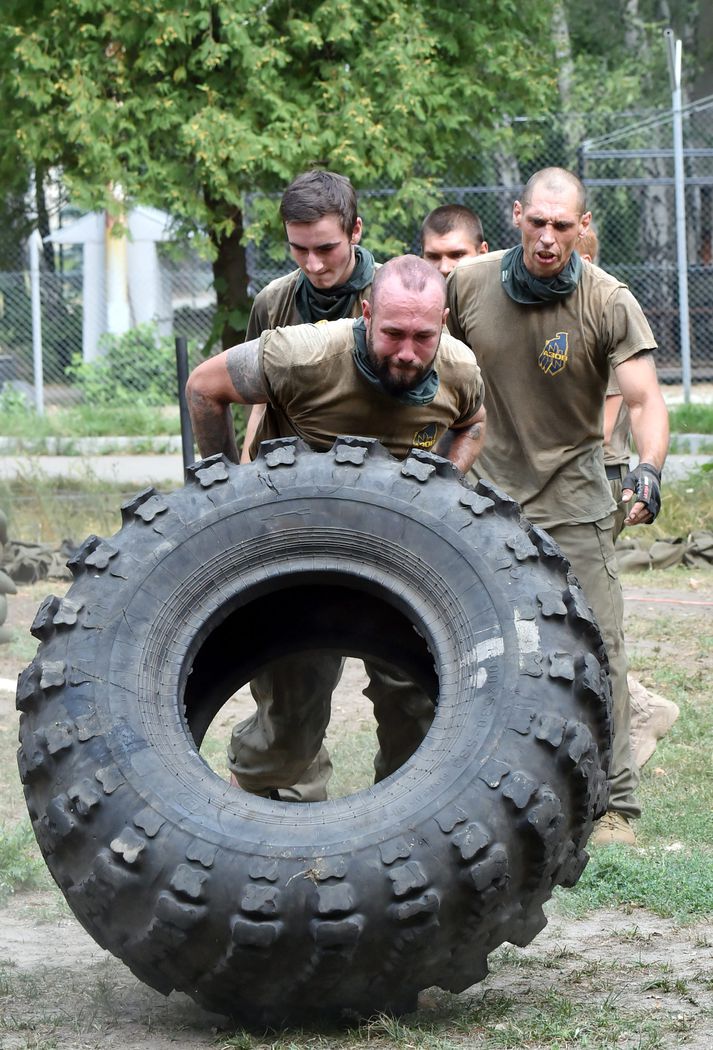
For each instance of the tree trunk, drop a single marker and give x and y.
(572, 125)
(230, 274)
(43, 220)
(508, 176)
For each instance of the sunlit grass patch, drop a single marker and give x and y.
(676, 883)
(21, 866)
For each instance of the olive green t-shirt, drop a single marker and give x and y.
(317, 393)
(546, 369)
(275, 306)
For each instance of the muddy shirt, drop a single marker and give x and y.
(275, 307)
(546, 368)
(617, 451)
(317, 392)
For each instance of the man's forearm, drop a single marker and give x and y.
(463, 446)
(230, 378)
(649, 428)
(212, 423)
(647, 409)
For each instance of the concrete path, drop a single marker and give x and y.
(124, 470)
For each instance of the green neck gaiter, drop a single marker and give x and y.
(329, 304)
(423, 394)
(523, 287)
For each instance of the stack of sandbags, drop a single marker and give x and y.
(6, 584)
(633, 553)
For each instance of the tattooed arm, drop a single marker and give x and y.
(462, 445)
(233, 377)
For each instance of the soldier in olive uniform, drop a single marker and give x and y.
(395, 375)
(546, 330)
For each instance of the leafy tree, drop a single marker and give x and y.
(190, 106)
(619, 47)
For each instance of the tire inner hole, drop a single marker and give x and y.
(309, 626)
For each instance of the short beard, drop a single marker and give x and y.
(395, 384)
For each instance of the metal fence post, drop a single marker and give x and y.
(186, 428)
(674, 68)
(34, 250)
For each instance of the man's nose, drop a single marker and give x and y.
(406, 352)
(314, 263)
(445, 266)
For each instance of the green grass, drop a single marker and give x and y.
(78, 421)
(672, 873)
(677, 577)
(49, 510)
(352, 752)
(490, 1020)
(678, 885)
(682, 446)
(686, 506)
(23, 646)
(691, 419)
(20, 864)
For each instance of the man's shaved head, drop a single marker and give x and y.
(404, 318)
(555, 180)
(413, 273)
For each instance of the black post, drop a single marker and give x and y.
(186, 428)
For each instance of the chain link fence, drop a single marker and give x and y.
(57, 318)
(628, 169)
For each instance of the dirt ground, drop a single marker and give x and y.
(59, 989)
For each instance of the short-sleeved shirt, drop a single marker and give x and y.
(275, 305)
(546, 368)
(317, 392)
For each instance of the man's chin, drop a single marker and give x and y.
(401, 384)
(552, 268)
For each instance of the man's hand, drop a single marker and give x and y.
(644, 482)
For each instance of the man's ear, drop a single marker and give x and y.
(357, 231)
(584, 222)
(366, 311)
(516, 214)
(483, 250)
(445, 316)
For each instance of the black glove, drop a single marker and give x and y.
(645, 482)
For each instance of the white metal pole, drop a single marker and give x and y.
(34, 248)
(674, 68)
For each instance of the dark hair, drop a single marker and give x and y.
(413, 272)
(315, 194)
(556, 179)
(451, 217)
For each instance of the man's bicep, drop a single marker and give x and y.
(636, 376)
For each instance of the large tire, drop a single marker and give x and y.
(272, 912)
